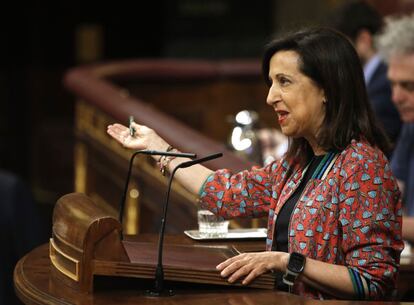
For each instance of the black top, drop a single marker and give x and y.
(283, 218)
(282, 223)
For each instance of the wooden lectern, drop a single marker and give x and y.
(86, 248)
(86, 242)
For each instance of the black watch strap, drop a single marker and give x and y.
(295, 267)
(289, 278)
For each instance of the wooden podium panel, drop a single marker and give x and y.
(193, 263)
(204, 256)
(87, 242)
(87, 258)
(34, 284)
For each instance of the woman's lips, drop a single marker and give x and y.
(282, 115)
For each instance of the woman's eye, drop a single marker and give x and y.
(283, 81)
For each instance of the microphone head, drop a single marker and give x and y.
(166, 153)
(201, 160)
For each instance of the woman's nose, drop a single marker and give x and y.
(273, 96)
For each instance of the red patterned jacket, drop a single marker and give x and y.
(351, 216)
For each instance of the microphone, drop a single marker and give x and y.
(197, 161)
(159, 272)
(131, 161)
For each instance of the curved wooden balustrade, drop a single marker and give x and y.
(95, 85)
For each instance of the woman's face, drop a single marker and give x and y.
(298, 102)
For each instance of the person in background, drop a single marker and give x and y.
(333, 205)
(360, 22)
(396, 45)
(21, 230)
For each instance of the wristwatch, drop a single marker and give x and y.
(295, 267)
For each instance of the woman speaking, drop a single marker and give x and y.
(333, 205)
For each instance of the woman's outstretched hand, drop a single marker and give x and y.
(143, 137)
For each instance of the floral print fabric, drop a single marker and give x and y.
(350, 216)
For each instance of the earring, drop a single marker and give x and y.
(324, 101)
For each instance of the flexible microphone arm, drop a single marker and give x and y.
(131, 161)
(159, 272)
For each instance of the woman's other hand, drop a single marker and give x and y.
(143, 137)
(251, 265)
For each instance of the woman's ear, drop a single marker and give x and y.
(324, 99)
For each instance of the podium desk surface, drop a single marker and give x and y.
(34, 284)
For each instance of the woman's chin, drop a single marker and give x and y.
(288, 132)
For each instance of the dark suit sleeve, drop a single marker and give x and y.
(21, 230)
(379, 93)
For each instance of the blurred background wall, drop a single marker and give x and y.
(40, 40)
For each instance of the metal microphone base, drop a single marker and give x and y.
(156, 293)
